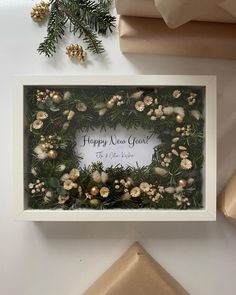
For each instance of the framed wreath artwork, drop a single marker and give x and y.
(115, 148)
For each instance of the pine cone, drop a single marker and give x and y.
(40, 11)
(76, 51)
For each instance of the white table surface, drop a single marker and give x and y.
(65, 258)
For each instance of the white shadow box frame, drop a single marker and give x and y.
(207, 213)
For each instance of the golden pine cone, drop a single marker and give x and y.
(40, 11)
(76, 51)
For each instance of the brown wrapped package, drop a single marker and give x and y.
(136, 273)
(210, 10)
(196, 39)
(227, 200)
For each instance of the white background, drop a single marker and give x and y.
(65, 258)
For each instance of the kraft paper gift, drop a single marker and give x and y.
(227, 200)
(178, 12)
(136, 273)
(195, 39)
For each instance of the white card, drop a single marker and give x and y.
(119, 146)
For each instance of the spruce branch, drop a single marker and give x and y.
(86, 18)
(55, 31)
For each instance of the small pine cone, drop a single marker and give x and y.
(40, 11)
(76, 51)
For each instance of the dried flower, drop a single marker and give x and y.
(66, 125)
(96, 176)
(40, 152)
(65, 177)
(176, 94)
(104, 192)
(70, 115)
(160, 171)
(148, 100)
(62, 199)
(68, 184)
(60, 167)
(170, 190)
(67, 95)
(192, 98)
(139, 105)
(135, 192)
(168, 111)
(196, 114)
(102, 112)
(126, 196)
(158, 112)
(184, 155)
(74, 174)
(186, 164)
(81, 107)
(41, 115)
(104, 177)
(179, 111)
(37, 124)
(137, 94)
(144, 186)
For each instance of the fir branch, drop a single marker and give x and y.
(85, 17)
(55, 31)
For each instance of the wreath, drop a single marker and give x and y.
(172, 180)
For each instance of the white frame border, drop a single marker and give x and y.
(206, 214)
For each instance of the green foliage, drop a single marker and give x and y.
(85, 18)
(95, 98)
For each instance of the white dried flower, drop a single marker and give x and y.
(179, 189)
(37, 124)
(175, 139)
(148, 100)
(186, 164)
(81, 107)
(61, 167)
(104, 177)
(102, 112)
(170, 190)
(41, 115)
(176, 93)
(68, 184)
(182, 148)
(158, 112)
(135, 192)
(179, 111)
(66, 125)
(65, 177)
(144, 186)
(33, 171)
(96, 176)
(190, 181)
(168, 110)
(196, 114)
(184, 155)
(139, 106)
(153, 118)
(104, 192)
(175, 152)
(74, 174)
(137, 94)
(70, 115)
(67, 95)
(160, 171)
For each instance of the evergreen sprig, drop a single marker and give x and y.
(86, 18)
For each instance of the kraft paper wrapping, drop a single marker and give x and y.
(196, 39)
(178, 12)
(227, 200)
(136, 273)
